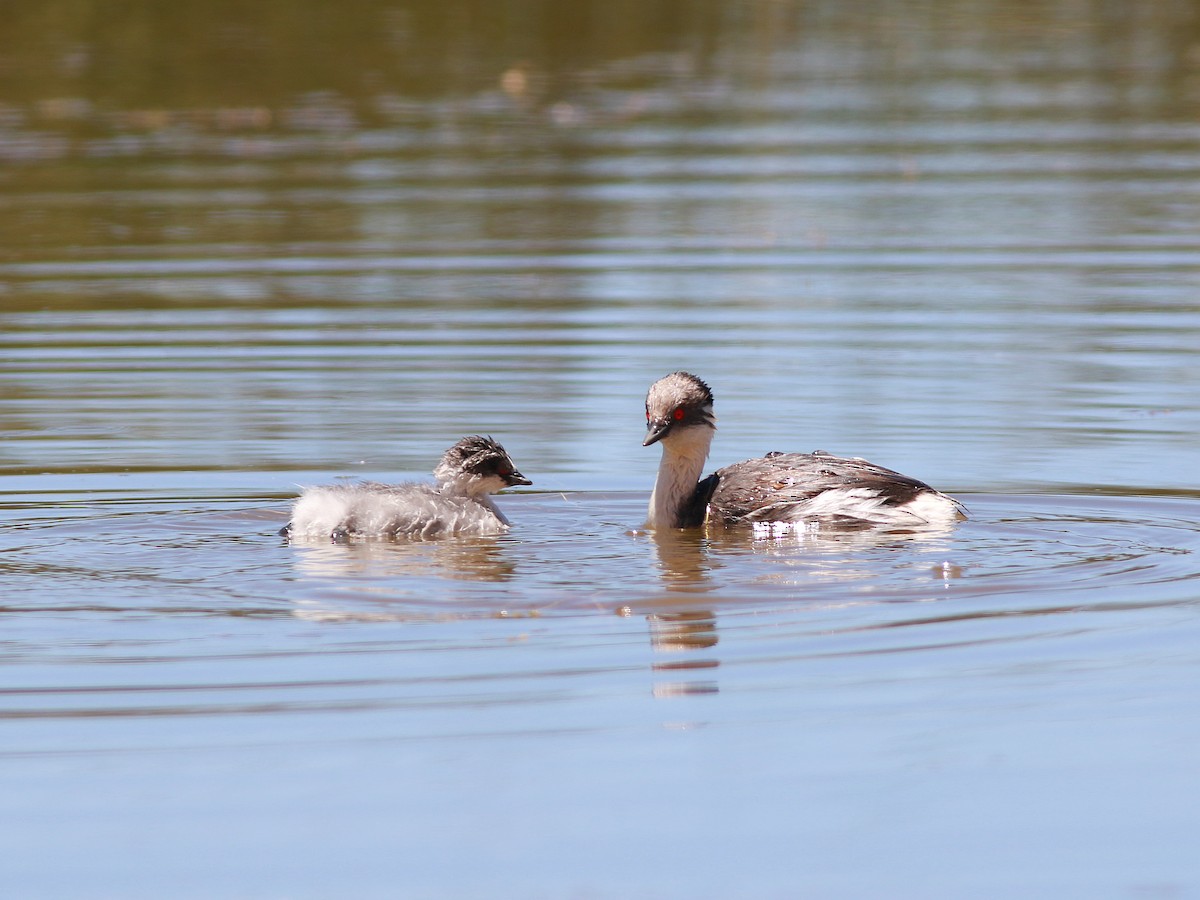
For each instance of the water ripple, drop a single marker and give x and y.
(202, 588)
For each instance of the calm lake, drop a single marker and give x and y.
(246, 248)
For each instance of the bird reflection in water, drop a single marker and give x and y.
(678, 637)
(465, 559)
(683, 559)
(395, 580)
(681, 637)
(690, 562)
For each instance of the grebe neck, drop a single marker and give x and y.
(477, 488)
(679, 471)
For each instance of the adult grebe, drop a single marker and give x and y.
(816, 488)
(459, 504)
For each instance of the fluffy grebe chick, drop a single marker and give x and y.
(459, 504)
(816, 488)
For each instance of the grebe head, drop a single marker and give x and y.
(477, 465)
(679, 405)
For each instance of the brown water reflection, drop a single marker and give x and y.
(249, 126)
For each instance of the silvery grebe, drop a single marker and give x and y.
(816, 488)
(459, 504)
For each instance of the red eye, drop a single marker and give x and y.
(678, 414)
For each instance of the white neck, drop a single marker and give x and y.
(465, 485)
(683, 454)
(486, 500)
(479, 489)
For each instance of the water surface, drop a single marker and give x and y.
(286, 246)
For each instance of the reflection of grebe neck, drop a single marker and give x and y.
(683, 454)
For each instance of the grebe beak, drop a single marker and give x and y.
(515, 477)
(656, 431)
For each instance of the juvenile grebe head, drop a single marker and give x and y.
(679, 406)
(477, 465)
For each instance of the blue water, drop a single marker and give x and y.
(959, 241)
(1006, 704)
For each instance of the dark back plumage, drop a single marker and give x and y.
(790, 486)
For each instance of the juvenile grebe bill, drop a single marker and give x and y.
(813, 488)
(459, 504)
